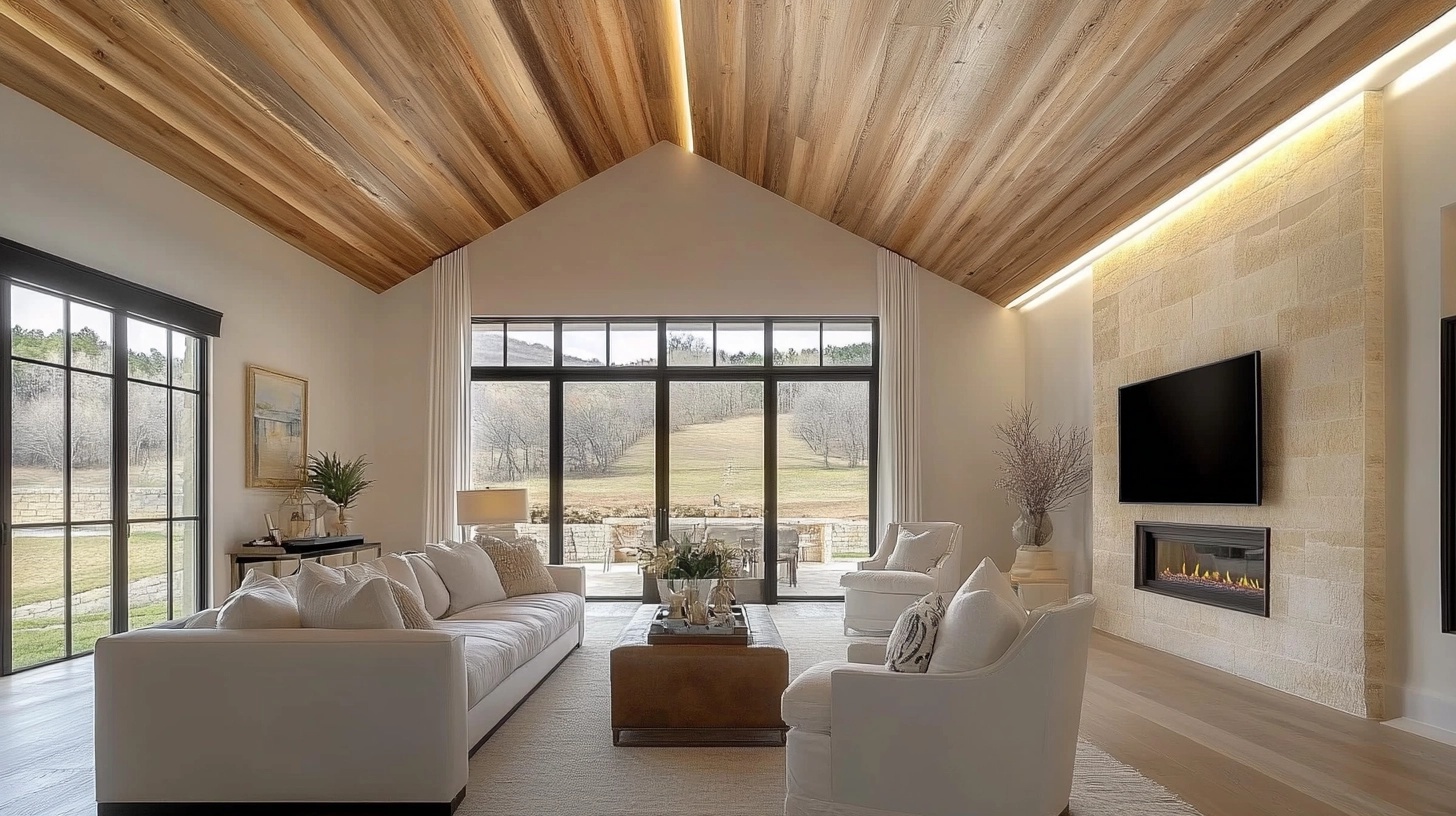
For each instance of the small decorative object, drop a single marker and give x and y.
(698, 615)
(720, 600)
(277, 429)
(676, 602)
(1040, 476)
(298, 515)
(274, 534)
(340, 482)
(326, 515)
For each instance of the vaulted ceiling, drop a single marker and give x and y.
(992, 142)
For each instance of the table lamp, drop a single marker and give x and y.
(492, 508)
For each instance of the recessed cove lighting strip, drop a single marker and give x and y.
(1425, 53)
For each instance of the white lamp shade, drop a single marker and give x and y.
(501, 505)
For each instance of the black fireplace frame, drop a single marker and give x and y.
(1144, 531)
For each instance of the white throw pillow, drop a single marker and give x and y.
(396, 566)
(913, 641)
(978, 628)
(990, 577)
(468, 573)
(916, 552)
(432, 589)
(333, 599)
(261, 602)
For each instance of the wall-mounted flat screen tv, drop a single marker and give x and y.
(1192, 437)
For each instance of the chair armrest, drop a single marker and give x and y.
(875, 563)
(568, 579)
(294, 715)
(946, 579)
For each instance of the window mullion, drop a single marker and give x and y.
(120, 502)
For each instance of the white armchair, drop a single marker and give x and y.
(875, 596)
(999, 741)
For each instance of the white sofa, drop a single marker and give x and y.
(320, 717)
(999, 741)
(874, 595)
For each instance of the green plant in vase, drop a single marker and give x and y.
(341, 482)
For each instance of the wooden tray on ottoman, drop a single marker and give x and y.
(697, 636)
(691, 694)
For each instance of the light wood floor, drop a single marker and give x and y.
(1227, 746)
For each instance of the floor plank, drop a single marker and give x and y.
(1227, 746)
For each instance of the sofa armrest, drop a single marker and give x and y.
(568, 579)
(284, 715)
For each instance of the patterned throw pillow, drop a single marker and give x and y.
(411, 608)
(913, 640)
(519, 565)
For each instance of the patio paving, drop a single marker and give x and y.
(815, 580)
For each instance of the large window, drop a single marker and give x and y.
(758, 432)
(103, 487)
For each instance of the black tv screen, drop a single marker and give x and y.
(1191, 437)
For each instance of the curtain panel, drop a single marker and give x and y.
(899, 468)
(447, 455)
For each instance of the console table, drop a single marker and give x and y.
(242, 560)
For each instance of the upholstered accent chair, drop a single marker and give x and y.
(874, 595)
(866, 741)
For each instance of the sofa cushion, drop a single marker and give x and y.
(522, 572)
(889, 582)
(337, 599)
(261, 602)
(989, 576)
(432, 589)
(502, 636)
(468, 573)
(807, 699)
(396, 566)
(977, 630)
(913, 639)
(917, 552)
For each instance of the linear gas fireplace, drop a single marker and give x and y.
(1222, 566)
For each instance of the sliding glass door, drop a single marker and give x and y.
(103, 487)
(758, 433)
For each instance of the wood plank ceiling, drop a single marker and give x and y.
(992, 142)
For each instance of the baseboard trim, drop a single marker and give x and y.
(1421, 729)
(281, 808)
(522, 701)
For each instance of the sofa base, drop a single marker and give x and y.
(281, 808)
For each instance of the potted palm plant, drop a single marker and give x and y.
(340, 482)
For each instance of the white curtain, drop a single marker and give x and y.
(899, 465)
(447, 460)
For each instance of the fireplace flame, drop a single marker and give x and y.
(1198, 574)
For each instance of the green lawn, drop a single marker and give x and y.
(40, 639)
(723, 458)
(38, 563)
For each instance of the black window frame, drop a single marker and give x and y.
(558, 374)
(32, 269)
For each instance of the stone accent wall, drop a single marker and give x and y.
(1286, 257)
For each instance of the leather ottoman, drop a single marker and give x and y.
(699, 695)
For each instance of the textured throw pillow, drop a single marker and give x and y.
(990, 577)
(332, 599)
(913, 641)
(432, 589)
(411, 608)
(261, 602)
(468, 573)
(519, 565)
(916, 552)
(977, 630)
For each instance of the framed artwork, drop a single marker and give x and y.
(277, 428)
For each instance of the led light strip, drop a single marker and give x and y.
(1424, 54)
(686, 125)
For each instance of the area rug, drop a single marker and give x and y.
(555, 755)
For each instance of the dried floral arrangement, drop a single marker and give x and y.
(1040, 475)
(684, 559)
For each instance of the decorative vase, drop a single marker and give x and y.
(720, 600)
(669, 592)
(1032, 528)
(340, 525)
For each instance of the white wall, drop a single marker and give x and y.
(973, 366)
(669, 233)
(70, 193)
(1059, 384)
(1420, 182)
